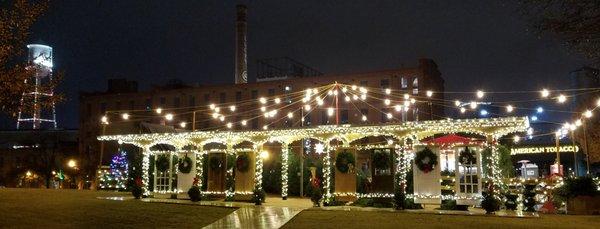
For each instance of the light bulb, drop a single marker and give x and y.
(578, 122)
(429, 93)
(307, 107)
(347, 98)
(229, 125)
(561, 98)
(473, 105)
(244, 122)
(480, 94)
(217, 109)
(169, 117)
(388, 91)
(222, 118)
(104, 119)
(212, 106)
(215, 115)
(182, 124)
(588, 113)
(456, 103)
(125, 116)
(516, 138)
(344, 89)
(353, 87)
(387, 102)
(363, 97)
(463, 110)
(364, 118)
(290, 115)
(158, 110)
(330, 111)
(398, 108)
(355, 97)
(263, 109)
(232, 108)
(545, 93)
(265, 127)
(262, 100)
(509, 108)
(406, 96)
(389, 115)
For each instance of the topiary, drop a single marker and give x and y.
(489, 203)
(529, 197)
(578, 186)
(316, 197)
(343, 161)
(426, 160)
(185, 165)
(195, 194)
(381, 160)
(162, 163)
(242, 162)
(399, 198)
(137, 191)
(511, 201)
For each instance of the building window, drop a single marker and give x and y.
(364, 112)
(271, 92)
(324, 117)
(148, 104)
(102, 108)
(192, 101)
(307, 120)
(385, 83)
(254, 94)
(344, 116)
(238, 96)
(403, 82)
(415, 82)
(288, 96)
(364, 83)
(222, 97)
(176, 102)
(131, 105)
(415, 91)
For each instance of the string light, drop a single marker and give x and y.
(457, 103)
(540, 110)
(158, 110)
(307, 107)
(516, 138)
(561, 98)
(263, 109)
(388, 91)
(354, 87)
(463, 110)
(509, 108)
(182, 124)
(262, 100)
(545, 93)
(290, 115)
(406, 96)
(344, 89)
(389, 115)
(315, 91)
(244, 122)
(480, 94)
(364, 118)
(217, 109)
(169, 117)
(387, 102)
(265, 127)
(429, 93)
(232, 108)
(598, 103)
(413, 101)
(212, 106)
(363, 97)
(104, 119)
(222, 118)
(319, 101)
(587, 114)
(335, 92)
(347, 98)
(215, 115)
(473, 105)
(330, 111)
(355, 97)
(398, 108)
(229, 125)
(578, 122)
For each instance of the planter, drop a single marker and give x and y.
(584, 205)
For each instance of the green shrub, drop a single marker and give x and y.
(258, 196)
(316, 196)
(578, 186)
(409, 203)
(195, 194)
(137, 191)
(511, 202)
(529, 197)
(448, 205)
(489, 203)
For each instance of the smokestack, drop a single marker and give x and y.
(241, 62)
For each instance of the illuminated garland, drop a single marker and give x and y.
(199, 167)
(258, 172)
(284, 170)
(146, 171)
(327, 175)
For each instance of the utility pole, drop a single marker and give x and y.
(585, 145)
(575, 166)
(302, 155)
(557, 137)
(337, 107)
(193, 121)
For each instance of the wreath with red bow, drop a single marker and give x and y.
(242, 162)
(426, 160)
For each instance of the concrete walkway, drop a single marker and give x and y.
(273, 214)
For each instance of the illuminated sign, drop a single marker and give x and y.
(542, 149)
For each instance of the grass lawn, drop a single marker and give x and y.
(315, 218)
(39, 208)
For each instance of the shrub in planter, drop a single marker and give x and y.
(529, 198)
(511, 202)
(195, 194)
(316, 196)
(573, 187)
(409, 203)
(448, 205)
(137, 191)
(489, 203)
(399, 199)
(258, 196)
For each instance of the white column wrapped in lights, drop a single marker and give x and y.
(146, 170)
(199, 156)
(259, 169)
(327, 173)
(284, 170)
(496, 175)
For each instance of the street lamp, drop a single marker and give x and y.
(72, 163)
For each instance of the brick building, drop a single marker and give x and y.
(182, 100)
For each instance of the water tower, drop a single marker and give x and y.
(31, 110)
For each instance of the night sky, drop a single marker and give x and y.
(476, 44)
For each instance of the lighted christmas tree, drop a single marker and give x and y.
(116, 177)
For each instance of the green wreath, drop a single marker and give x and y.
(426, 160)
(185, 164)
(162, 163)
(344, 160)
(381, 160)
(467, 157)
(242, 162)
(215, 163)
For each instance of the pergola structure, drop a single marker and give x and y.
(404, 136)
